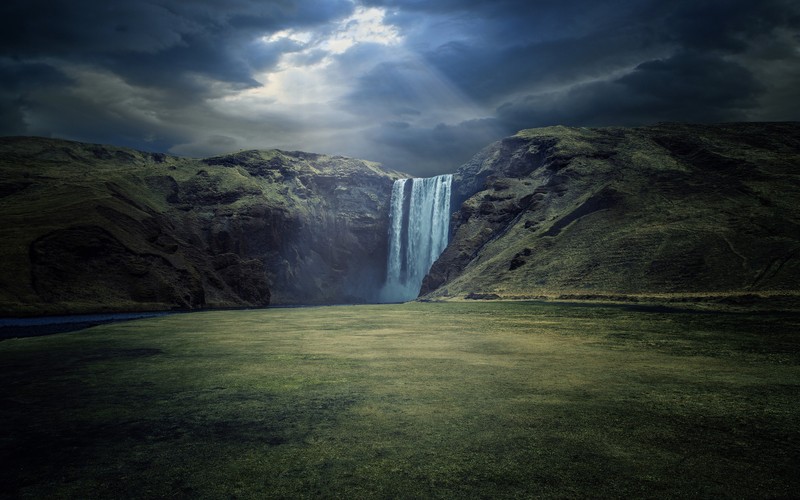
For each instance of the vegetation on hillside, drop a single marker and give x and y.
(669, 209)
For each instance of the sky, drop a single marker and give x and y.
(418, 85)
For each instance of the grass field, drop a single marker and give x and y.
(450, 400)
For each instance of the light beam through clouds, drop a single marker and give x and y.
(355, 77)
(418, 86)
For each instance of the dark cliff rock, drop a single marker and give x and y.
(663, 209)
(89, 228)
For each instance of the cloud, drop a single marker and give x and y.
(425, 151)
(728, 26)
(408, 88)
(100, 105)
(162, 43)
(12, 120)
(143, 74)
(20, 81)
(417, 85)
(684, 87)
(85, 28)
(691, 82)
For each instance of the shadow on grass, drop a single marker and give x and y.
(415, 400)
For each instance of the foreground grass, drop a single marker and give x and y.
(415, 400)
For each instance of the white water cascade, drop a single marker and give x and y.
(418, 232)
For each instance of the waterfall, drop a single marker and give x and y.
(418, 229)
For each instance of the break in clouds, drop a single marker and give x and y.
(418, 86)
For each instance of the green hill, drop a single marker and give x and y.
(671, 210)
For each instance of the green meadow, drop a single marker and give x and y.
(420, 400)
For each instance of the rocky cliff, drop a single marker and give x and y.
(88, 228)
(654, 210)
(668, 209)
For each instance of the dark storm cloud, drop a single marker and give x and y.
(180, 50)
(158, 41)
(421, 88)
(17, 75)
(726, 25)
(685, 87)
(83, 28)
(17, 80)
(488, 73)
(629, 63)
(689, 79)
(533, 44)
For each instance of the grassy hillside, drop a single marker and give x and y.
(89, 228)
(682, 210)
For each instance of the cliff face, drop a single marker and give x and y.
(91, 228)
(662, 209)
(553, 211)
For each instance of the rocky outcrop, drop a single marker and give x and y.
(322, 237)
(663, 209)
(90, 228)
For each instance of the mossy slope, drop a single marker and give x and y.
(667, 209)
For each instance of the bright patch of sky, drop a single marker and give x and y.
(366, 25)
(303, 74)
(316, 81)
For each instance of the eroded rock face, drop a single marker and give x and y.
(663, 209)
(95, 228)
(324, 238)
